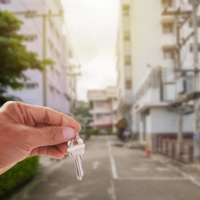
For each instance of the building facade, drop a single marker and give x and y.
(104, 107)
(147, 85)
(46, 37)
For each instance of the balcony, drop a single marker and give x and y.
(168, 63)
(103, 121)
(128, 71)
(168, 41)
(99, 111)
(126, 100)
(128, 97)
(168, 19)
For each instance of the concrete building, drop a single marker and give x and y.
(104, 105)
(146, 62)
(53, 89)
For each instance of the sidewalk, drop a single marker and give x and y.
(191, 171)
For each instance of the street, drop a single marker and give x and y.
(115, 173)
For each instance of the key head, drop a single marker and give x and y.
(76, 149)
(75, 142)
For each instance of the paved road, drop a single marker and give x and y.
(115, 173)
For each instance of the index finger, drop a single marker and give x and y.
(44, 115)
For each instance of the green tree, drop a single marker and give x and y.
(82, 112)
(14, 57)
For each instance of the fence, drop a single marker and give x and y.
(185, 152)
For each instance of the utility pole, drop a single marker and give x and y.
(44, 40)
(32, 14)
(196, 77)
(74, 76)
(181, 17)
(178, 66)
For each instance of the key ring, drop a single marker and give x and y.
(71, 142)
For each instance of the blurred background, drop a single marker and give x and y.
(128, 71)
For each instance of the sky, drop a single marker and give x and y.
(92, 27)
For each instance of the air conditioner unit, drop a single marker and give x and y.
(189, 83)
(180, 85)
(185, 84)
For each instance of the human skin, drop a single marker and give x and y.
(27, 130)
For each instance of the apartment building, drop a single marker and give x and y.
(46, 37)
(104, 107)
(145, 67)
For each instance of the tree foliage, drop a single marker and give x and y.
(82, 113)
(14, 57)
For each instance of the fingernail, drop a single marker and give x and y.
(68, 133)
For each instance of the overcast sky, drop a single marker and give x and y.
(92, 25)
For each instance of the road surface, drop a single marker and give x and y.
(115, 173)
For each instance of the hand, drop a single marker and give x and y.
(27, 130)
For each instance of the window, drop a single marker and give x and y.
(31, 38)
(57, 35)
(51, 24)
(167, 28)
(167, 3)
(99, 116)
(31, 85)
(58, 76)
(52, 92)
(51, 48)
(168, 54)
(52, 71)
(127, 60)
(191, 48)
(127, 36)
(126, 10)
(57, 56)
(4, 1)
(198, 23)
(70, 54)
(128, 83)
(99, 103)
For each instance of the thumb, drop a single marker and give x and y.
(53, 135)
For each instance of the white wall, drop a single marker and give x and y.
(163, 121)
(188, 123)
(147, 35)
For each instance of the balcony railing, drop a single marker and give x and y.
(103, 121)
(99, 111)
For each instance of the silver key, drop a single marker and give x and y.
(76, 150)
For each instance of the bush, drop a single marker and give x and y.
(91, 131)
(17, 175)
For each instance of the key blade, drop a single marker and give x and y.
(78, 169)
(80, 165)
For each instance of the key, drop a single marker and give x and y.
(76, 150)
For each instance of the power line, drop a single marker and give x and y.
(26, 8)
(46, 4)
(71, 43)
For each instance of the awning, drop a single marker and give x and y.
(146, 107)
